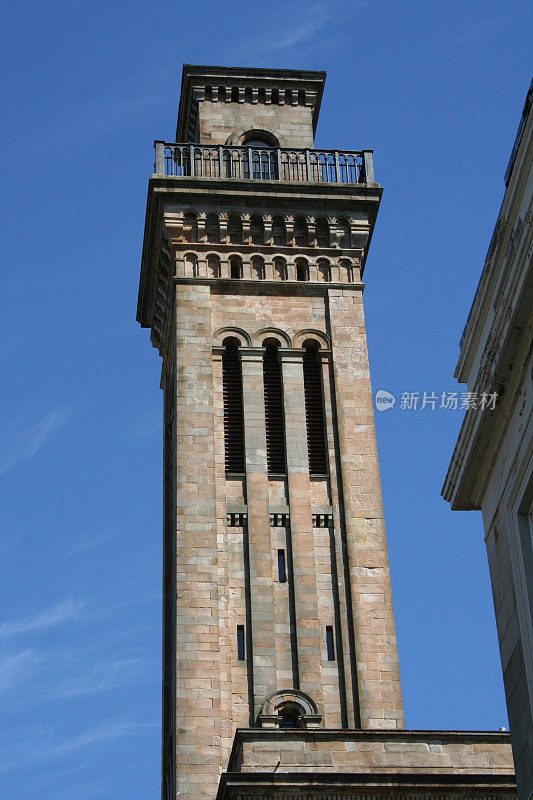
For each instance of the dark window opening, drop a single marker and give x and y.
(278, 231)
(234, 94)
(322, 233)
(314, 413)
(233, 411)
(330, 644)
(301, 271)
(290, 717)
(235, 229)
(301, 236)
(235, 268)
(282, 567)
(274, 424)
(240, 643)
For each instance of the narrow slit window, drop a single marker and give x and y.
(314, 413)
(240, 643)
(275, 431)
(282, 567)
(330, 643)
(233, 411)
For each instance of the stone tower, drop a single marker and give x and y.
(277, 601)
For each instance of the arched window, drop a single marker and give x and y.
(213, 266)
(275, 97)
(235, 229)
(324, 272)
(190, 227)
(234, 94)
(314, 411)
(222, 94)
(209, 93)
(302, 270)
(257, 229)
(322, 233)
(278, 231)
(235, 267)
(280, 269)
(346, 272)
(288, 97)
(261, 95)
(274, 423)
(290, 716)
(301, 97)
(191, 265)
(212, 228)
(233, 409)
(301, 235)
(258, 268)
(345, 238)
(248, 94)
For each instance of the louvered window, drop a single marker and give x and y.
(275, 431)
(314, 413)
(233, 413)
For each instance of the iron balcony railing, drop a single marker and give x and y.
(264, 163)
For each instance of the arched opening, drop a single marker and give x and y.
(301, 235)
(261, 95)
(346, 272)
(212, 228)
(234, 94)
(275, 97)
(278, 231)
(314, 411)
(222, 94)
(235, 267)
(258, 268)
(213, 266)
(248, 94)
(302, 270)
(280, 269)
(191, 265)
(290, 716)
(209, 93)
(274, 422)
(257, 229)
(233, 407)
(301, 97)
(345, 237)
(235, 229)
(324, 271)
(288, 96)
(190, 227)
(322, 233)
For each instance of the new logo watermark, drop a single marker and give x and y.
(451, 401)
(384, 400)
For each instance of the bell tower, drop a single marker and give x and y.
(277, 610)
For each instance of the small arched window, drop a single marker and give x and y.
(322, 233)
(191, 265)
(213, 266)
(275, 97)
(346, 272)
(280, 269)
(301, 97)
(235, 229)
(261, 95)
(235, 267)
(257, 229)
(248, 94)
(278, 231)
(258, 268)
(222, 94)
(290, 716)
(212, 228)
(234, 94)
(345, 238)
(324, 272)
(209, 93)
(288, 96)
(301, 235)
(190, 227)
(302, 270)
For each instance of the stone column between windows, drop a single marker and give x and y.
(260, 567)
(311, 643)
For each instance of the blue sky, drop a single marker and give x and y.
(436, 88)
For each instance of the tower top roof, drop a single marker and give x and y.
(197, 77)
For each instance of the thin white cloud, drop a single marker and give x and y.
(62, 612)
(21, 442)
(103, 677)
(41, 745)
(19, 667)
